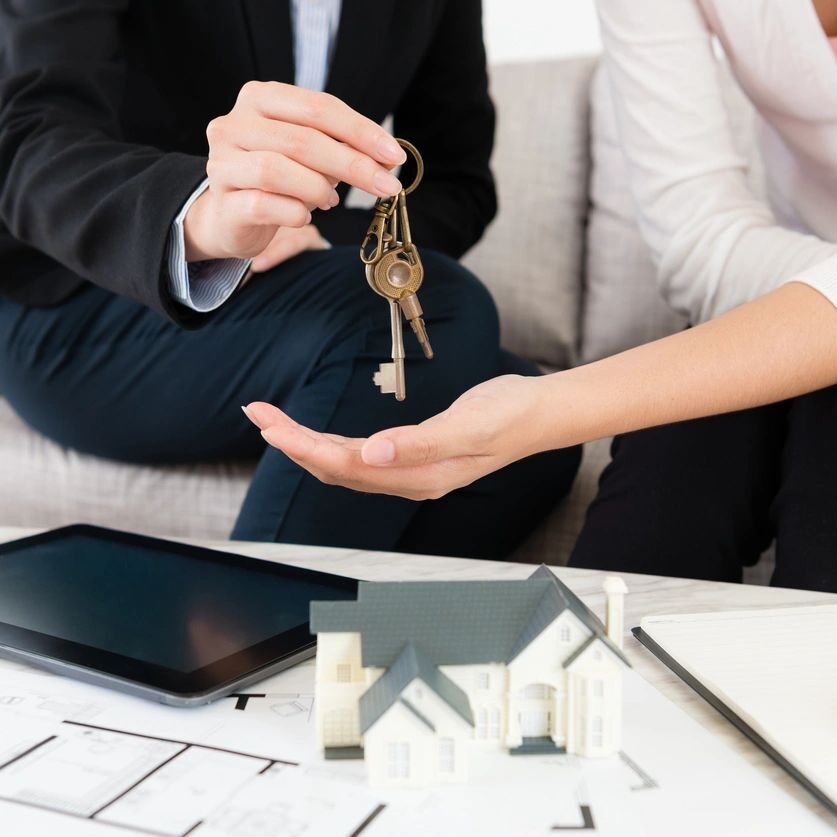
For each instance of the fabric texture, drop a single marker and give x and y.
(532, 256)
(107, 361)
(662, 509)
(103, 112)
(206, 285)
(201, 286)
(714, 242)
(623, 302)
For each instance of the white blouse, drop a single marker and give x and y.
(715, 243)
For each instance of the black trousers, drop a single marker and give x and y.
(701, 499)
(104, 375)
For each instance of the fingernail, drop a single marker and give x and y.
(386, 183)
(334, 199)
(391, 151)
(378, 452)
(310, 216)
(246, 412)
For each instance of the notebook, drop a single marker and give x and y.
(772, 673)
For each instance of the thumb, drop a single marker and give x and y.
(422, 444)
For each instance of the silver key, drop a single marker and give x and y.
(390, 376)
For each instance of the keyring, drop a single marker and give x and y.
(408, 146)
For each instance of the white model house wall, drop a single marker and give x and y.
(538, 682)
(594, 702)
(340, 681)
(419, 740)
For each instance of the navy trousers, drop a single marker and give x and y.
(104, 375)
(701, 499)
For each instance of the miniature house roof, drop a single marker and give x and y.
(387, 689)
(454, 622)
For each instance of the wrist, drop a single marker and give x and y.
(195, 239)
(560, 412)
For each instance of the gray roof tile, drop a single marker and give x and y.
(455, 622)
(409, 665)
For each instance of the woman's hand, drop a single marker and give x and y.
(488, 427)
(275, 156)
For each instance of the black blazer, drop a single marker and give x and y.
(104, 105)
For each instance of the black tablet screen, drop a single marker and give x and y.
(178, 611)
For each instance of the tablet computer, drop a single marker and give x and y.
(174, 623)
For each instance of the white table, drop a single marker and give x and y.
(648, 595)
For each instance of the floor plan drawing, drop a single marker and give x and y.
(169, 788)
(82, 761)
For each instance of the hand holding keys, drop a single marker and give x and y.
(395, 272)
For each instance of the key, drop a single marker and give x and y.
(399, 273)
(390, 376)
(394, 271)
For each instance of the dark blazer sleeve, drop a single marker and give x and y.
(447, 113)
(70, 185)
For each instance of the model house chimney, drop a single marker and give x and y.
(615, 590)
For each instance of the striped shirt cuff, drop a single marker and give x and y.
(201, 286)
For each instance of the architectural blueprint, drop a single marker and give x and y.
(81, 760)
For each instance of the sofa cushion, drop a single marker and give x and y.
(532, 256)
(43, 484)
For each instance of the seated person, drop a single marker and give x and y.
(127, 329)
(696, 498)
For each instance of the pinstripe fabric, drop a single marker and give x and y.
(315, 28)
(204, 286)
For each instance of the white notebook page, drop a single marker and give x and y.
(776, 669)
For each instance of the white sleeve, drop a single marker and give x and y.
(715, 244)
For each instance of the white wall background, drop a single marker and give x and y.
(521, 30)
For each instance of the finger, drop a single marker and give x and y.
(264, 415)
(270, 171)
(286, 244)
(257, 208)
(334, 463)
(322, 153)
(325, 112)
(280, 250)
(440, 438)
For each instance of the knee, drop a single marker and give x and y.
(452, 292)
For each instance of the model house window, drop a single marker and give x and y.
(564, 633)
(598, 688)
(446, 753)
(482, 722)
(483, 680)
(340, 728)
(398, 759)
(597, 731)
(344, 673)
(536, 691)
(494, 724)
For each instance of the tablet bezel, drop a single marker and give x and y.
(208, 680)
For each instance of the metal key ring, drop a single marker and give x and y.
(408, 146)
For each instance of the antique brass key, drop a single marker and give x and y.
(395, 272)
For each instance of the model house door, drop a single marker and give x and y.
(534, 723)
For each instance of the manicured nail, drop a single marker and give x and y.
(386, 183)
(252, 416)
(391, 151)
(378, 452)
(334, 199)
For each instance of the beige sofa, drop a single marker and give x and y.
(571, 277)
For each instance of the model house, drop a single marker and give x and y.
(416, 677)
